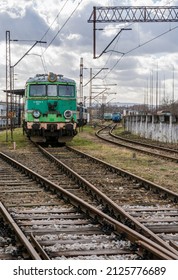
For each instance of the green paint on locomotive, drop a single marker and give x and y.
(50, 107)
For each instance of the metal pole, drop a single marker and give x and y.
(81, 79)
(173, 84)
(90, 95)
(10, 82)
(11, 101)
(8, 79)
(94, 32)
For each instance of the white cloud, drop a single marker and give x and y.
(70, 37)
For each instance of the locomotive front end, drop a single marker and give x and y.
(50, 108)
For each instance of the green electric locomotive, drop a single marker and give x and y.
(50, 113)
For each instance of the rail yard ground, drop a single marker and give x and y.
(159, 171)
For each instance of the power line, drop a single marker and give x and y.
(54, 20)
(139, 46)
(42, 55)
(43, 52)
(160, 35)
(63, 25)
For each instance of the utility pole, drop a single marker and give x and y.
(81, 79)
(173, 84)
(157, 89)
(10, 82)
(90, 87)
(90, 95)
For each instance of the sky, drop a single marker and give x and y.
(140, 64)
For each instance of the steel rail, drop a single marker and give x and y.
(116, 210)
(142, 144)
(134, 148)
(91, 211)
(38, 246)
(143, 182)
(113, 208)
(19, 233)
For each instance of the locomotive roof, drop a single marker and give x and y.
(46, 78)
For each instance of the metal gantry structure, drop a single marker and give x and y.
(130, 14)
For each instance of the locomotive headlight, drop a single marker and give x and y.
(36, 114)
(68, 114)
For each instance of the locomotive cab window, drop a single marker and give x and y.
(37, 90)
(52, 90)
(66, 90)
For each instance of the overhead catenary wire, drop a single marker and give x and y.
(57, 16)
(140, 45)
(137, 47)
(63, 25)
(44, 64)
(54, 20)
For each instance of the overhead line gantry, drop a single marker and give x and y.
(128, 14)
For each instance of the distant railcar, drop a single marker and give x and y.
(116, 117)
(50, 108)
(107, 116)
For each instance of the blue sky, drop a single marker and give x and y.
(63, 25)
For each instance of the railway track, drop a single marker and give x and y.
(61, 225)
(128, 191)
(58, 176)
(108, 135)
(14, 245)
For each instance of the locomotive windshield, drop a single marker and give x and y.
(66, 90)
(51, 90)
(38, 90)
